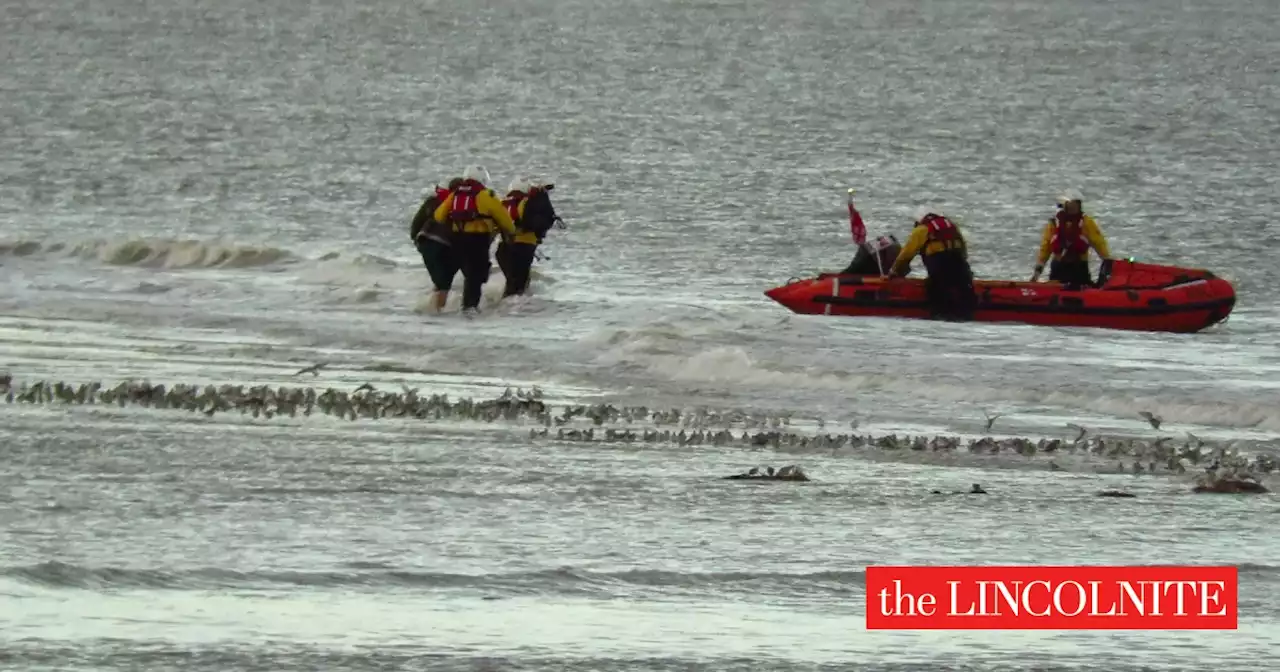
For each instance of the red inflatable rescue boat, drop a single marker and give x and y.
(1130, 295)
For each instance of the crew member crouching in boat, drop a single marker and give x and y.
(941, 245)
(1067, 237)
(865, 261)
(530, 208)
(474, 214)
(433, 242)
(872, 258)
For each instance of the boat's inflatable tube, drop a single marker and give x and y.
(1129, 295)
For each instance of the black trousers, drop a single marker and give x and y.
(515, 260)
(439, 259)
(472, 252)
(1071, 272)
(949, 287)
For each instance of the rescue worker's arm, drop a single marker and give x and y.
(915, 242)
(441, 214)
(1046, 246)
(1093, 234)
(488, 204)
(1046, 249)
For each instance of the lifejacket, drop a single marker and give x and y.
(944, 231)
(463, 209)
(1068, 239)
(513, 206)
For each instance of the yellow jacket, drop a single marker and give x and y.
(1089, 231)
(919, 242)
(492, 213)
(522, 236)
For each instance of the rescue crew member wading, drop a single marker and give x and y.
(474, 215)
(1067, 238)
(434, 243)
(941, 245)
(515, 256)
(530, 208)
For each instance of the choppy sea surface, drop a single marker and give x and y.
(219, 194)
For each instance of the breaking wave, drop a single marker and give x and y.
(369, 274)
(161, 253)
(359, 296)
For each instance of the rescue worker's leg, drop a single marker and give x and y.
(472, 250)
(519, 263)
(441, 265)
(935, 284)
(502, 255)
(1073, 273)
(966, 296)
(950, 286)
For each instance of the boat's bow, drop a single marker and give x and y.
(797, 295)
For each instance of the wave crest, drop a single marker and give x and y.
(365, 277)
(162, 253)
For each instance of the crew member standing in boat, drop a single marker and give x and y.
(941, 245)
(1067, 238)
(474, 214)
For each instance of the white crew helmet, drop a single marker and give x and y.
(924, 211)
(1068, 196)
(520, 184)
(477, 173)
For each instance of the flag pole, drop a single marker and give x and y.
(859, 231)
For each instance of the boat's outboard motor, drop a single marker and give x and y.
(864, 262)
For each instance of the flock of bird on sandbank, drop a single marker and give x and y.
(1227, 470)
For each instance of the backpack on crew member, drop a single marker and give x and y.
(539, 214)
